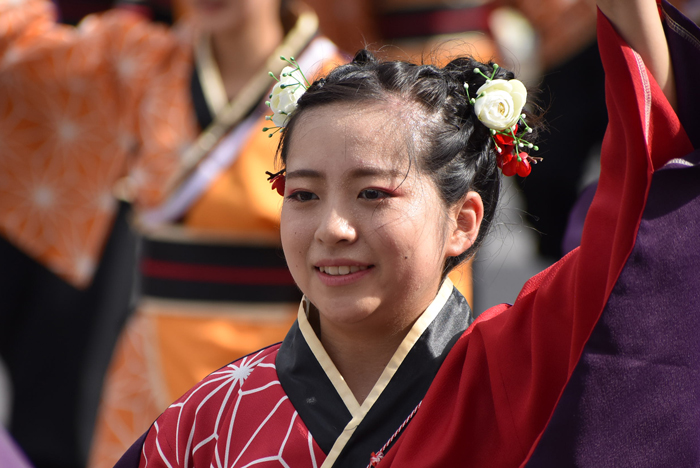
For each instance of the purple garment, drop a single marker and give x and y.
(10, 454)
(634, 397)
(132, 456)
(577, 216)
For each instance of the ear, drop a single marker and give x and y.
(466, 216)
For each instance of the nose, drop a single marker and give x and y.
(335, 228)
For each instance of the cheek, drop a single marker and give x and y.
(295, 232)
(400, 236)
(288, 235)
(416, 238)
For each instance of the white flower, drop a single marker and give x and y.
(499, 103)
(285, 95)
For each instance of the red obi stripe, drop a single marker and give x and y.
(215, 274)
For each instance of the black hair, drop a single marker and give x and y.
(459, 155)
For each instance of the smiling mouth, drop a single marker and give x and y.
(341, 270)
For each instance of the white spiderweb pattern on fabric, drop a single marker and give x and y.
(237, 417)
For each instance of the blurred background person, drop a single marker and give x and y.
(435, 30)
(65, 295)
(170, 120)
(72, 11)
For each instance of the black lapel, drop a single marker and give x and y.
(310, 391)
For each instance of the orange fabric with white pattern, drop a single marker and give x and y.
(79, 108)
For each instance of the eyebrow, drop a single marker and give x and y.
(355, 173)
(375, 171)
(304, 174)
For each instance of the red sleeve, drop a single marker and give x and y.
(503, 378)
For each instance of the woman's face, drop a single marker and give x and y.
(364, 233)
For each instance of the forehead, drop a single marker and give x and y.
(342, 134)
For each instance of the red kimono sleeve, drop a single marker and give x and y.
(496, 392)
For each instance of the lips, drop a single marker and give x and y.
(341, 270)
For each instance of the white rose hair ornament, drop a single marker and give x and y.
(498, 105)
(283, 101)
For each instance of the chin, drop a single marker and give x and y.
(346, 312)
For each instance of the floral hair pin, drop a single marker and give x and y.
(283, 101)
(498, 105)
(284, 96)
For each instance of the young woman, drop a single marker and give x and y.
(172, 115)
(391, 180)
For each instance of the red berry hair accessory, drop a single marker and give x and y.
(498, 105)
(277, 180)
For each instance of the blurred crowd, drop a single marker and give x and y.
(138, 247)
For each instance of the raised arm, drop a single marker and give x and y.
(639, 23)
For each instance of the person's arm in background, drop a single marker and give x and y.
(639, 23)
(79, 92)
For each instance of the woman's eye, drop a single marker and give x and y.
(373, 194)
(302, 196)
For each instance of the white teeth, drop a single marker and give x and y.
(341, 270)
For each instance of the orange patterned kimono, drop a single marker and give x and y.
(78, 108)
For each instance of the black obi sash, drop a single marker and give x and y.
(216, 272)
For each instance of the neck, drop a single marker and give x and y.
(242, 51)
(360, 353)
